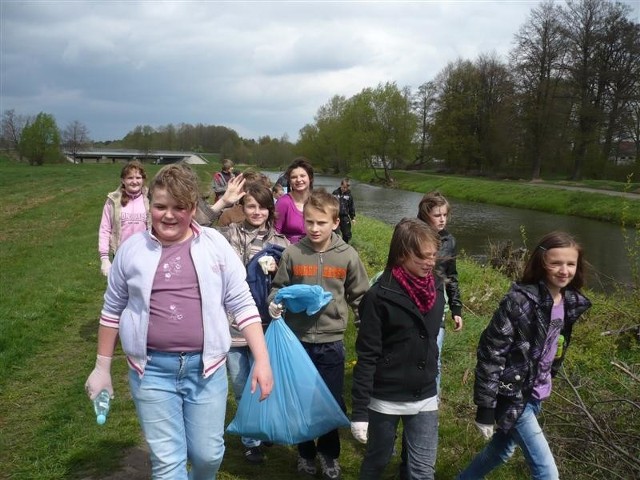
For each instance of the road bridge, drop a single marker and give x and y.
(160, 157)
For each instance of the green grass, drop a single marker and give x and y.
(51, 290)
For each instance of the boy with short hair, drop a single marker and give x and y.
(322, 258)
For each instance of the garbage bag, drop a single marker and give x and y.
(300, 406)
(298, 298)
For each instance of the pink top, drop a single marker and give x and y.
(133, 219)
(542, 383)
(175, 316)
(289, 220)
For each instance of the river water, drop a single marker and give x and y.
(476, 225)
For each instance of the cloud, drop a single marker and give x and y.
(262, 68)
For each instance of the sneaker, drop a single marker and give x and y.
(330, 468)
(254, 455)
(307, 466)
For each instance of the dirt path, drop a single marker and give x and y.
(613, 193)
(135, 466)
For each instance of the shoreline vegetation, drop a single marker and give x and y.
(589, 199)
(52, 290)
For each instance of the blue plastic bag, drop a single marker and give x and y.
(298, 298)
(300, 406)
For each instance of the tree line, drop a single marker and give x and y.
(565, 103)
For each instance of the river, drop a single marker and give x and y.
(476, 225)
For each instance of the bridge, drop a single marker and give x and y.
(122, 156)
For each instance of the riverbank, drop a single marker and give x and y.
(614, 204)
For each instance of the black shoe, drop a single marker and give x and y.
(267, 444)
(254, 455)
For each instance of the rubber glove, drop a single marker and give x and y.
(100, 378)
(359, 431)
(485, 430)
(105, 266)
(268, 264)
(275, 310)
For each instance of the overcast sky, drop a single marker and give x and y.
(260, 68)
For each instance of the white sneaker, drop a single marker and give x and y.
(330, 468)
(307, 466)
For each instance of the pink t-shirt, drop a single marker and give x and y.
(133, 219)
(175, 319)
(542, 383)
(289, 220)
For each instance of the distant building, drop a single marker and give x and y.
(626, 153)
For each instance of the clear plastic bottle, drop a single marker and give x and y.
(101, 406)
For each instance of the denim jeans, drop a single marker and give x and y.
(239, 365)
(328, 358)
(181, 414)
(420, 438)
(528, 435)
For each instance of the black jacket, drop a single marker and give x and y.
(396, 347)
(347, 208)
(446, 266)
(510, 348)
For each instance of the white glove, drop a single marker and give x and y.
(359, 431)
(268, 264)
(485, 430)
(100, 378)
(105, 266)
(275, 310)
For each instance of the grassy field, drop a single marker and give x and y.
(51, 290)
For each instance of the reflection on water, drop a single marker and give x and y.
(476, 224)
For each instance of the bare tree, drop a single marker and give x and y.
(12, 127)
(423, 102)
(537, 59)
(75, 137)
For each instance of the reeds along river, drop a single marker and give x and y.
(476, 225)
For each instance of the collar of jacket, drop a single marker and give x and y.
(538, 293)
(337, 244)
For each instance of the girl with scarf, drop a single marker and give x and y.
(395, 375)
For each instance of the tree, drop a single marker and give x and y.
(75, 137)
(455, 128)
(40, 140)
(383, 126)
(537, 65)
(584, 30)
(619, 60)
(423, 102)
(495, 113)
(12, 128)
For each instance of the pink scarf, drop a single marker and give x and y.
(422, 290)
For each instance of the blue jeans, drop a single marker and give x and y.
(239, 365)
(528, 435)
(328, 358)
(420, 439)
(181, 415)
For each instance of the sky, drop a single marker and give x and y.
(260, 67)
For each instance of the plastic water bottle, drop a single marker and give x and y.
(101, 406)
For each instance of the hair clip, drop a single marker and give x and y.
(542, 248)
